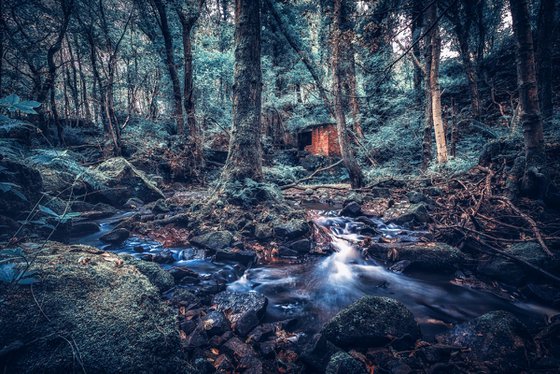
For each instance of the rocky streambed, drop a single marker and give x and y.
(359, 295)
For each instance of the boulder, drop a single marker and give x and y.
(213, 240)
(419, 256)
(371, 321)
(244, 310)
(106, 308)
(84, 228)
(125, 181)
(342, 362)
(497, 339)
(509, 271)
(20, 188)
(243, 257)
(116, 236)
(317, 353)
(263, 231)
(290, 230)
(301, 246)
(415, 213)
(352, 209)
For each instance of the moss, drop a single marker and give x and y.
(95, 311)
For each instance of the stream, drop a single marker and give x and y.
(315, 289)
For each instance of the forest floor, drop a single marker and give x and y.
(191, 317)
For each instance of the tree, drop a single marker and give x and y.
(534, 181)
(435, 91)
(340, 45)
(244, 157)
(163, 23)
(462, 16)
(545, 38)
(188, 13)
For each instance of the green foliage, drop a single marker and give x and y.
(249, 193)
(283, 174)
(10, 270)
(13, 103)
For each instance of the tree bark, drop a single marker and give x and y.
(344, 139)
(171, 66)
(545, 34)
(435, 91)
(244, 157)
(534, 180)
(188, 19)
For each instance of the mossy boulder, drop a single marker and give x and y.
(342, 362)
(496, 339)
(439, 257)
(90, 311)
(509, 271)
(125, 181)
(371, 321)
(213, 240)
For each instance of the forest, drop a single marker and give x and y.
(280, 186)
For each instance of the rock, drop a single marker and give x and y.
(308, 192)
(215, 323)
(301, 246)
(125, 181)
(155, 273)
(369, 322)
(419, 256)
(244, 310)
(342, 362)
(238, 349)
(263, 232)
(497, 338)
(8, 227)
(213, 240)
(415, 197)
(181, 220)
(117, 236)
(97, 211)
(317, 353)
(179, 273)
(182, 296)
(197, 338)
(511, 272)
(415, 213)
(243, 257)
(20, 188)
(99, 301)
(84, 228)
(352, 209)
(290, 230)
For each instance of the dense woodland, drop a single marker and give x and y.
(284, 186)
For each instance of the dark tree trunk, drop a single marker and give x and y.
(344, 139)
(188, 20)
(171, 66)
(545, 35)
(534, 181)
(244, 158)
(416, 31)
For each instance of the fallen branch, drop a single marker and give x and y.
(320, 170)
(529, 220)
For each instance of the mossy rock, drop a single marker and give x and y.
(342, 362)
(90, 311)
(496, 339)
(371, 321)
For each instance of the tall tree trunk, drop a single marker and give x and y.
(83, 83)
(416, 32)
(344, 139)
(171, 66)
(435, 91)
(534, 180)
(244, 158)
(545, 35)
(194, 140)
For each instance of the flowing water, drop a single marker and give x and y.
(314, 290)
